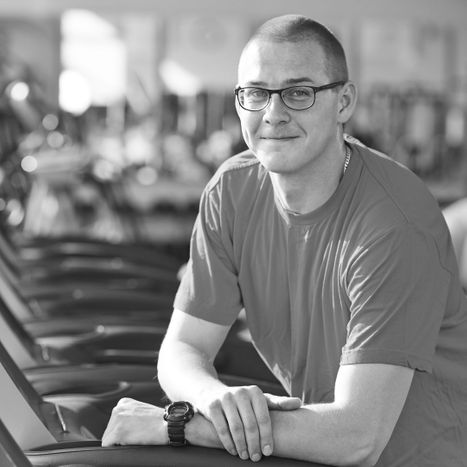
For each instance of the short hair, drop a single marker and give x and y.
(298, 28)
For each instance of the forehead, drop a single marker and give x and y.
(275, 63)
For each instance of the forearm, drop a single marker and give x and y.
(185, 373)
(355, 428)
(322, 433)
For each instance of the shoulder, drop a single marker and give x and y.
(383, 167)
(239, 186)
(389, 173)
(389, 198)
(396, 188)
(235, 170)
(237, 182)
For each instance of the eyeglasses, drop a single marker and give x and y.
(294, 97)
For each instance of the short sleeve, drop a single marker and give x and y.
(398, 291)
(209, 287)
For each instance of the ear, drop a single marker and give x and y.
(347, 102)
(237, 108)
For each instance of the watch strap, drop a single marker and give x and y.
(176, 432)
(176, 422)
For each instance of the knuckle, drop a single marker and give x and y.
(236, 428)
(255, 389)
(227, 398)
(263, 419)
(239, 390)
(222, 431)
(116, 411)
(214, 405)
(251, 428)
(242, 393)
(264, 423)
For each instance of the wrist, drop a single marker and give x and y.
(200, 432)
(177, 415)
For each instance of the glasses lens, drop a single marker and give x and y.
(298, 97)
(253, 98)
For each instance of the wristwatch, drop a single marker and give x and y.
(177, 414)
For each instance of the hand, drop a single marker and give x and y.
(240, 416)
(135, 422)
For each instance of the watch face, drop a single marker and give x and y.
(179, 411)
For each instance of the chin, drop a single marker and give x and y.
(277, 163)
(272, 161)
(279, 169)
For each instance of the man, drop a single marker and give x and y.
(345, 268)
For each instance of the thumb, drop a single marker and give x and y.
(282, 402)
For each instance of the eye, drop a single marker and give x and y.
(255, 94)
(299, 93)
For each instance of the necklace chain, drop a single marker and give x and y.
(348, 153)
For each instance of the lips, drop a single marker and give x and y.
(277, 138)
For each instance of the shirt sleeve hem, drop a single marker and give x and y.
(390, 357)
(226, 319)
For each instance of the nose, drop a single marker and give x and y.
(276, 112)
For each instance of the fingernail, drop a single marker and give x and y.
(233, 452)
(267, 450)
(255, 457)
(244, 455)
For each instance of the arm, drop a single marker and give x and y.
(355, 428)
(352, 430)
(239, 415)
(185, 365)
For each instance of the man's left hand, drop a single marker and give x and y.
(135, 422)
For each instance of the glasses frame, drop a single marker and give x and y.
(270, 92)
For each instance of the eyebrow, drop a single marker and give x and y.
(290, 82)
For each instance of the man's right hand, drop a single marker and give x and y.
(240, 416)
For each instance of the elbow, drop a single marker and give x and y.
(368, 459)
(364, 459)
(364, 452)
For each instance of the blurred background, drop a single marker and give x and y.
(115, 113)
(113, 116)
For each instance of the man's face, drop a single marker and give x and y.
(287, 141)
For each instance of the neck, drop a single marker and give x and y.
(307, 190)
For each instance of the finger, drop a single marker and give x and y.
(253, 412)
(282, 402)
(236, 425)
(260, 407)
(217, 417)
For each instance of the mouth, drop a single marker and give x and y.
(277, 138)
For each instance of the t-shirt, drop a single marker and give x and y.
(368, 277)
